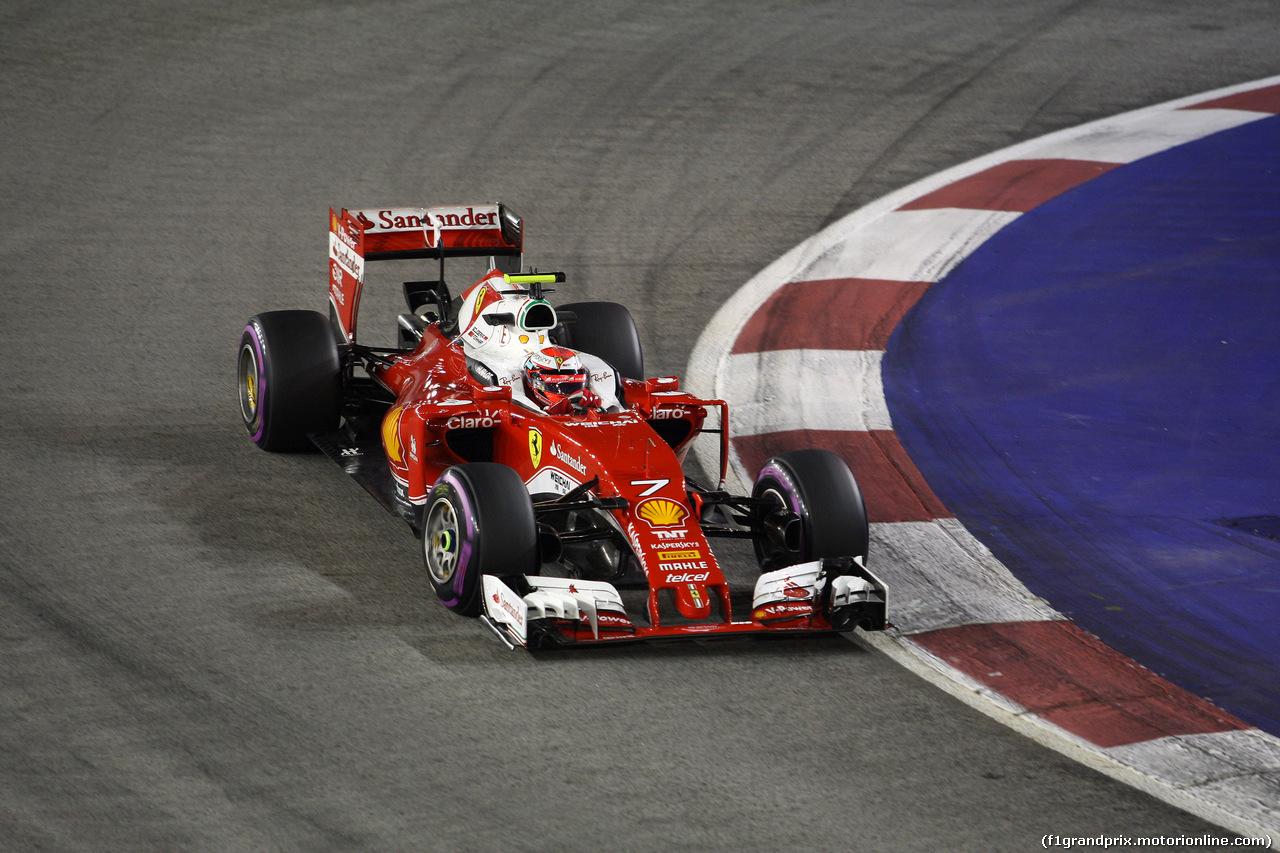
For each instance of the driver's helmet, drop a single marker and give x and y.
(552, 375)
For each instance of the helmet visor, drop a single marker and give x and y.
(561, 382)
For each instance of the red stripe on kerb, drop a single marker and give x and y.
(1015, 186)
(833, 313)
(1072, 679)
(1264, 100)
(892, 486)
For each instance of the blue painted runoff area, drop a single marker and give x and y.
(1095, 393)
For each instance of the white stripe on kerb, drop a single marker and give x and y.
(907, 245)
(1236, 771)
(942, 577)
(1202, 759)
(1123, 140)
(815, 389)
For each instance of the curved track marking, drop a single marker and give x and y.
(962, 620)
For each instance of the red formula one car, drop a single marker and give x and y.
(540, 469)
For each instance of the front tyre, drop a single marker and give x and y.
(816, 504)
(479, 520)
(289, 379)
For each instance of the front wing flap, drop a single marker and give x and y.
(557, 610)
(837, 594)
(839, 591)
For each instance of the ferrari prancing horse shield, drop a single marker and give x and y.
(535, 447)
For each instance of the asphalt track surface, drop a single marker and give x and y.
(205, 647)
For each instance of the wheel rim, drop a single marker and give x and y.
(250, 387)
(773, 555)
(440, 541)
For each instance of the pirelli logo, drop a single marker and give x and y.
(680, 555)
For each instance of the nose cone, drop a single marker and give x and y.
(693, 601)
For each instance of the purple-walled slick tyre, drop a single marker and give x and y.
(289, 379)
(820, 489)
(479, 520)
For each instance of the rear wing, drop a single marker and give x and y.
(406, 233)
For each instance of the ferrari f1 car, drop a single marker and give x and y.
(541, 471)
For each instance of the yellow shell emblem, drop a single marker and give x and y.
(535, 447)
(391, 435)
(660, 512)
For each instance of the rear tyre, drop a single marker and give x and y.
(817, 487)
(479, 520)
(605, 330)
(289, 379)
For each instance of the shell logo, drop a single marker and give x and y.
(391, 436)
(660, 512)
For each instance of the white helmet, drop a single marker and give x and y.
(497, 316)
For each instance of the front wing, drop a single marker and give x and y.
(821, 596)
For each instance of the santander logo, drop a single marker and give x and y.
(413, 219)
(564, 456)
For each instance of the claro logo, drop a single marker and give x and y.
(470, 422)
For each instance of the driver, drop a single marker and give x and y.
(555, 378)
(505, 332)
